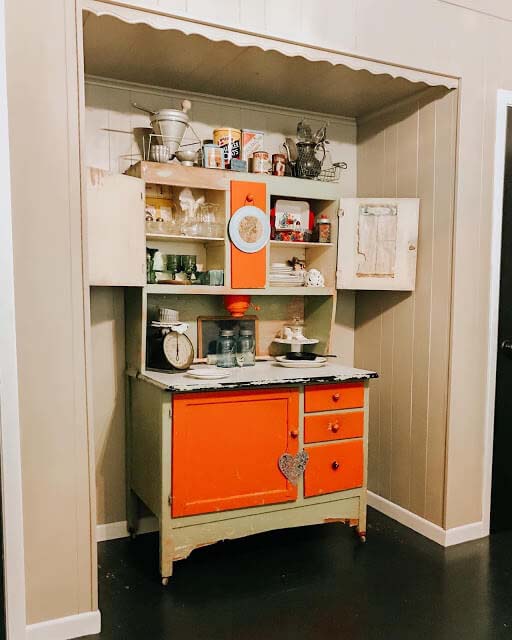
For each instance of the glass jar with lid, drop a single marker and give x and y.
(226, 349)
(245, 349)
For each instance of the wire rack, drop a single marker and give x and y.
(333, 173)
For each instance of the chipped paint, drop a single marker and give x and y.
(263, 374)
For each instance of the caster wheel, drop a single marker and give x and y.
(165, 582)
(362, 537)
(133, 533)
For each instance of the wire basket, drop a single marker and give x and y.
(333, 173)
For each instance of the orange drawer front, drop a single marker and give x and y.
(334, 467)
(334, 396)
(334, 426)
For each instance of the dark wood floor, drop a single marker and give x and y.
(308, 584)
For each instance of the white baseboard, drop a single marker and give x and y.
(115, 530)
(444, 537)
(83, 624)
(465, 533)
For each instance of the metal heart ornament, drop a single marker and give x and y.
(292, 467)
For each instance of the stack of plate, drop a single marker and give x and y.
(281, 275)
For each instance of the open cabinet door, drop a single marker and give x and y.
(377, 243)
(115, 230)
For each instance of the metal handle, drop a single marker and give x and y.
(335, 427)
(294, 433)
(335, 397)
(335, 465)
(506, 347)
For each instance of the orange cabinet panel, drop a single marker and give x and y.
(248, 270)
(334, 467)
(334, 396)
(226, 446)
(333, 426)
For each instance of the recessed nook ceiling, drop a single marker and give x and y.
(174, 60)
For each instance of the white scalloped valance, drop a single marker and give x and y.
(251, 42)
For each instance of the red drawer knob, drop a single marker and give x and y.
(335, 465)
(335, 397)
(294, 434)
(250, 198)
(335, 427)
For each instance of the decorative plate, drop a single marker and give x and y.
(249, 229)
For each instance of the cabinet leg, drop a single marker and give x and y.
(361, 527)
(166, 556)
(132, 513)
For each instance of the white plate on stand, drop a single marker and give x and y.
(208, 374)
(301, 364)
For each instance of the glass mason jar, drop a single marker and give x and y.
(226, 349)
(245, 349)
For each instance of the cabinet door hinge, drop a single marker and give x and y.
(341, 212)
(169, 500)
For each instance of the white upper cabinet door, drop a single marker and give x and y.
(115, 230)
(377, 243)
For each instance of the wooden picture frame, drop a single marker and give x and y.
(208, 328)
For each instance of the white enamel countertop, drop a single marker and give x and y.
(263, 373)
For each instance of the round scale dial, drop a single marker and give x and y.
(178, 350)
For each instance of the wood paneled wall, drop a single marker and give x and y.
(410, 152)
(58, 494)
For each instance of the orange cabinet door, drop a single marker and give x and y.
(333, 426)
(334, 396)
(226, 447)
(334, 467)
(248, 270)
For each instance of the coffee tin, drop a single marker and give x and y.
(260, 162)
(230, 141)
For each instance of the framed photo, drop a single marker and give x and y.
(209, 328)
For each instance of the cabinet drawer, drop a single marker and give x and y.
(334, 396)
(334, 467)
(333, 426)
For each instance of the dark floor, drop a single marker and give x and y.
(311, 583)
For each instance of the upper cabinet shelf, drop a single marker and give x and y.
(177, 175)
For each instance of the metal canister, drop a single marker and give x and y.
(230, 141)
(260, 162)
(278, 164)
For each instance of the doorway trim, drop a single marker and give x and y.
(503, 102)
(10, 449)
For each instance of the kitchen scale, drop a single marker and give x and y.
(167, 347)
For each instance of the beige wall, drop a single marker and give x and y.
(43, 120)
(410, 152)
(426, 34)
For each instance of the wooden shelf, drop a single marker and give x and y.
(290, 243)
(164, 237)
(177, 289)
(177, 175)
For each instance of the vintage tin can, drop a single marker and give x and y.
(213, 156)
(230, 141)
(260, 162)
(252, 141)
(278, 164)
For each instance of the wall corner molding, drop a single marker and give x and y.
(77, 626)
(443, 537)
